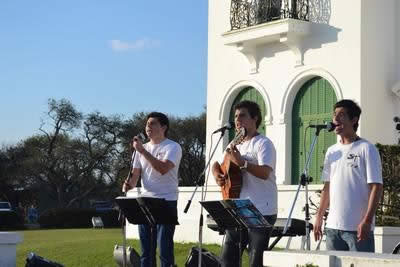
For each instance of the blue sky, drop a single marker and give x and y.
(112, 56)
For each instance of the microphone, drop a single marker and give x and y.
(140, 137)
(227, 126)
(329, 126)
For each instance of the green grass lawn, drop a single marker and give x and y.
(88, 247)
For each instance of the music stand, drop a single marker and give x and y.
(147, 210)
(236, 214)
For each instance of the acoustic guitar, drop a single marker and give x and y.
(233, 182)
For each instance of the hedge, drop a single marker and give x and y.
(76, 218)
(9, 220)
(388, 213)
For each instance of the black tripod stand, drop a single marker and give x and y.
(203, 195)
(305, 179)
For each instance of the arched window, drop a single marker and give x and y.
(313, 105)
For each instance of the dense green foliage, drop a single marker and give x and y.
(389, 211)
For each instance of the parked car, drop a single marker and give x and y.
(5, 206)
(102, 205)
(8, 217)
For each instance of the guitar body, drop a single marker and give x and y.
(233, 182)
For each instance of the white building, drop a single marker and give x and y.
(296, 69)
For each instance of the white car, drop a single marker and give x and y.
(5, 206)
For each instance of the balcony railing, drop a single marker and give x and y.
(246, 13)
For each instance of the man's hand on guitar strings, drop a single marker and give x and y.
(220, 179)
(235, 156)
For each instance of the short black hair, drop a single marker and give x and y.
(353, 110)
(162, 119)
(252, 108)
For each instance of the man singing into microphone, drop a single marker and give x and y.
(157, 163)
(352, 178)
(256, 157)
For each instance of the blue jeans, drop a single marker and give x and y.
(347, 240)
(256, 238)
(165, 240)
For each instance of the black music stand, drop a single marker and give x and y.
(236, 214)
(147, 210)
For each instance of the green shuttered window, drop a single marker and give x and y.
(313, 105)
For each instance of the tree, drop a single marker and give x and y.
(7, 173)
(190, 132)
(69, 165)
(79, 157)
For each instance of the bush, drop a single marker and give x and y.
(388, 213)
(76, 218)
(109, 217)
(9, 220)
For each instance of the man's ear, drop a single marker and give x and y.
(164, 127)
(355, 120)
(256, 119)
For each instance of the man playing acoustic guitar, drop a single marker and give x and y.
(256, 157)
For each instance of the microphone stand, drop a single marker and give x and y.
(121, 216)
(202, 197)
(304, 181)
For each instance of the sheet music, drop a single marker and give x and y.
(247, 212)
(231, 213)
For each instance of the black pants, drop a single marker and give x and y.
(257, 239)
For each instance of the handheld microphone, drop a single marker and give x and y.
(140, 137)
(227, 126)
(329, 126)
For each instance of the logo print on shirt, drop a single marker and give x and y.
(352, 160)
(160, 155)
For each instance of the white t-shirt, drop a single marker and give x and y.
(262, 193)
(349, 169)
(154, 184)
